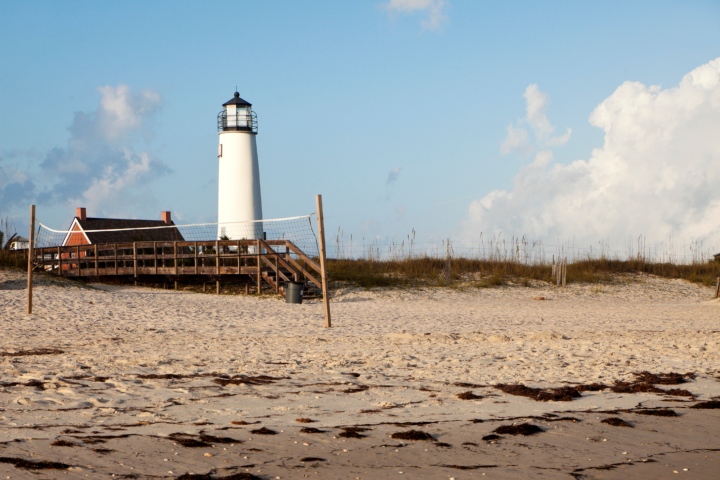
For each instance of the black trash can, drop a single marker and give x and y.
(294, 292)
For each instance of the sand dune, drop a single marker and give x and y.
(121, 378)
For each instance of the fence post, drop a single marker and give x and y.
(217, 266)
(259, 266)
(717, 288)
(30, 260)
(323, 267)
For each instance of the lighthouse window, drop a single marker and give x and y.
(220, 150)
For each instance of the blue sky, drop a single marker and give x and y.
(404, 114)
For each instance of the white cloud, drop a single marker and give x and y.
(99, 168)
(16, 187)
(657, 173)
(122, 110)
(111, 187)
(536, 103)
(517, 139)
(433, 8)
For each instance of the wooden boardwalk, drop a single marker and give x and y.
(274, 262)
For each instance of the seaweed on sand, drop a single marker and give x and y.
(208, 476)
(311, 430)
(670, 378)
(353, 432)
(591, 387)
(707, 404)
(561, 394)
(187, 440)
(263, 431)
(520, 429)
(212, 438)
(616, 422)
(468, 467)
(64, 443)
(34, 464)
(413, 435)
(644, 387)
(468, 396)
(645, 383)
(659, 412)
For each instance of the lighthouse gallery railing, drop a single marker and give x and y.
(244, 122)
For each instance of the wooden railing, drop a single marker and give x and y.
(272, 261)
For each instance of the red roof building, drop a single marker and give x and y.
(86, 230)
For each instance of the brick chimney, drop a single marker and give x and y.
(166, 218)
(80, 213)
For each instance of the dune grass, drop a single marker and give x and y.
(454, 272)
(430, 271)
(13, 259)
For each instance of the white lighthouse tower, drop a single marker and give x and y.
(239, 199)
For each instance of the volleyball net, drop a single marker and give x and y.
(298, 230)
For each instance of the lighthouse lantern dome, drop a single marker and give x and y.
(237, 115)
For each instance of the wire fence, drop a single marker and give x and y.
(298, 230)
(521, 249)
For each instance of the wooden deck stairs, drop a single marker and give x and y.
(269, 263)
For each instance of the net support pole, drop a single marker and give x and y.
(30, 260)
(323, 266)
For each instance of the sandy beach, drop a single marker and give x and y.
(129, 382)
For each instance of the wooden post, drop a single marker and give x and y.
(558, 273)
(717, 288)
(97, 264)
(217, 257)
(259, 267)
(239, 259)
(30, 260)
(195, 252)
(323, 269)
(217, 285)
(277, 275)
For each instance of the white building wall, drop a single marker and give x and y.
(239, 198)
